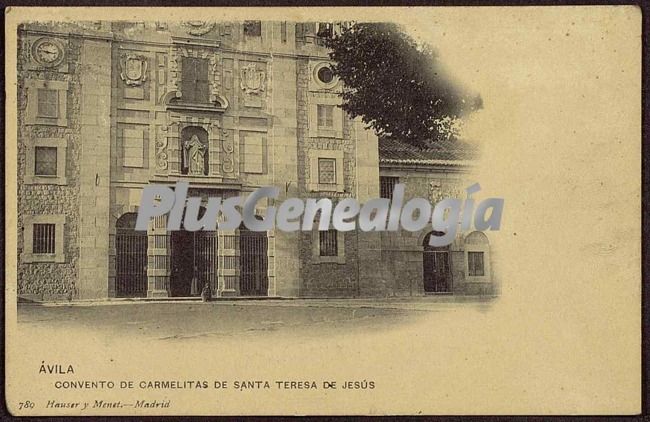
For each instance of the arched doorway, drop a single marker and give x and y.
(436, 267)
(131, 258)
(193, 261)
(253, 263)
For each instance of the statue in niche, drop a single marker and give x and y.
(194, 156)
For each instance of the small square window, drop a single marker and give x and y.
(327, 170)
(45, 159)
(328, 242)
(48, 103)
(253, 28)
(325, 116)
(386, 186)
(44, 238)
(475, 264)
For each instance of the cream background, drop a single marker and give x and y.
(560, 131)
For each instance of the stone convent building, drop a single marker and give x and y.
(107, 108)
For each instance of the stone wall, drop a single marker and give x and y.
(48, 280)
(402, 251)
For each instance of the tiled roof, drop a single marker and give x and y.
(450, 153)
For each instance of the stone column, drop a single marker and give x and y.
(158, 258)
(94, 172)
(228, 266)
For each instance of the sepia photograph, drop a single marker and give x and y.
(322, 211)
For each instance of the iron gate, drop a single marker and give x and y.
(130, 259)
(205, 250)
(253, 263)
(194, 262)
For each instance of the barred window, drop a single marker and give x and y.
(45, 161)
(195, 86)
(43, 238)
(327, 170)
(325, 116)
(48, 103)
(386, 186)
(328, 243)
(253, 28)
(475, 261)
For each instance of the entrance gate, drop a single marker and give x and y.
(193, 263)
(130, 259)
(436, 268)
(253, 263)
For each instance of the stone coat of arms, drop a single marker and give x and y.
(133, 69)
(252, 80)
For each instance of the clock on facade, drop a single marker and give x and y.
(47, 52)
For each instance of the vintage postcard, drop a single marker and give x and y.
(323, 211)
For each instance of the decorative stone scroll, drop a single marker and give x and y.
(228, 161)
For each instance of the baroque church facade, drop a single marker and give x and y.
(107, 108)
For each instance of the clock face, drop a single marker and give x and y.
(47, 52)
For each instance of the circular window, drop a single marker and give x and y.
(325, 74)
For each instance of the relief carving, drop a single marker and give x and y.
(253, 81)
(161, 153)
(198, 27)
(133, 69)
(228, 164)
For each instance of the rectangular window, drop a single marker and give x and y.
(386, 186)
(194, 85)
(328, 243)
(43, 238)
(45, 161)
(324, 29)
(475, 261)
(327, 171)
(325, 116)
(48, 103)
(253, 28)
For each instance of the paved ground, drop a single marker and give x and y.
(173, 320)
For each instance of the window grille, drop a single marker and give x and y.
(475, 262)
(386, 186)
(44, 237)
(45, 161)
(328, 243)
(327, 170)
